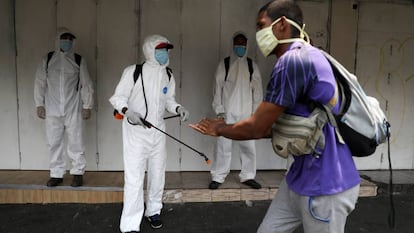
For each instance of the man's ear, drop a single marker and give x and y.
(284, 28)
(283, 23)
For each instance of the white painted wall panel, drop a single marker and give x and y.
(35, 34)
(117, 48)
(80, 17)
(343, 33)
(234, 18)
(200, 41)
(316, 20)
(9, 155)
(110, 35)
(164, 18)
(384, 68)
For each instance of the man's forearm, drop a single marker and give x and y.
(243, 130)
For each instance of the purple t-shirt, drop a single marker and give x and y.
(301, 74)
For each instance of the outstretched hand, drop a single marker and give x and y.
(208, 126)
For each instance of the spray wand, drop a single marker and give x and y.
(119, 116)
(149, 125)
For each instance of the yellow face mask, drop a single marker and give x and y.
(267, 41)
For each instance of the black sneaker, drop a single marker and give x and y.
(52, 182)
(155, 221)
(77, 181)
(214, 185)
(252, 184)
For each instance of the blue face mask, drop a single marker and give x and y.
(65, 45)
(161, 55)
(239, 50)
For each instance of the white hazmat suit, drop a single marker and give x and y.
(64, 88)
(144, 147)
(236, 98)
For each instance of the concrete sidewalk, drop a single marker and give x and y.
(20, 186)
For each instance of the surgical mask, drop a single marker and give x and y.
(239, 50)
(161, 55)
(267, 41)
(65, 45)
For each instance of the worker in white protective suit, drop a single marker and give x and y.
(63, 94)
(237, 93)
(143, 147)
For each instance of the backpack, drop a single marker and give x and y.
(360, 122)
(137, 73)
(78, 59)
(227, 66)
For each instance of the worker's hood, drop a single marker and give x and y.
(233, 54)
(60, 32)
(150, 43)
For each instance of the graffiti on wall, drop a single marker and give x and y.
(385, 70)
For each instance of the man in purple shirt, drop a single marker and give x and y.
(319, 192)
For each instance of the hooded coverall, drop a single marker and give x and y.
(237, 97)
(64, 88)
(144, 147)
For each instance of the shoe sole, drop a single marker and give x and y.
(153, 226)
(156, 227)
(214, 186)
(253, 186)
(56, 184)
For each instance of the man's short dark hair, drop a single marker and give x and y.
(68, 34)
(240, 35)
(287, 8)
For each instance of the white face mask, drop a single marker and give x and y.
(267, 41)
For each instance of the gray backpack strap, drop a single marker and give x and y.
(318, 141)
(328, 109)
(332, 120)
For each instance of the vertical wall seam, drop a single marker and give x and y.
(56, 15)
(220, 27)
(356, 39)
(329, 27)
(138, 28)
(96, 89)
(181, 41)
(17, 82)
